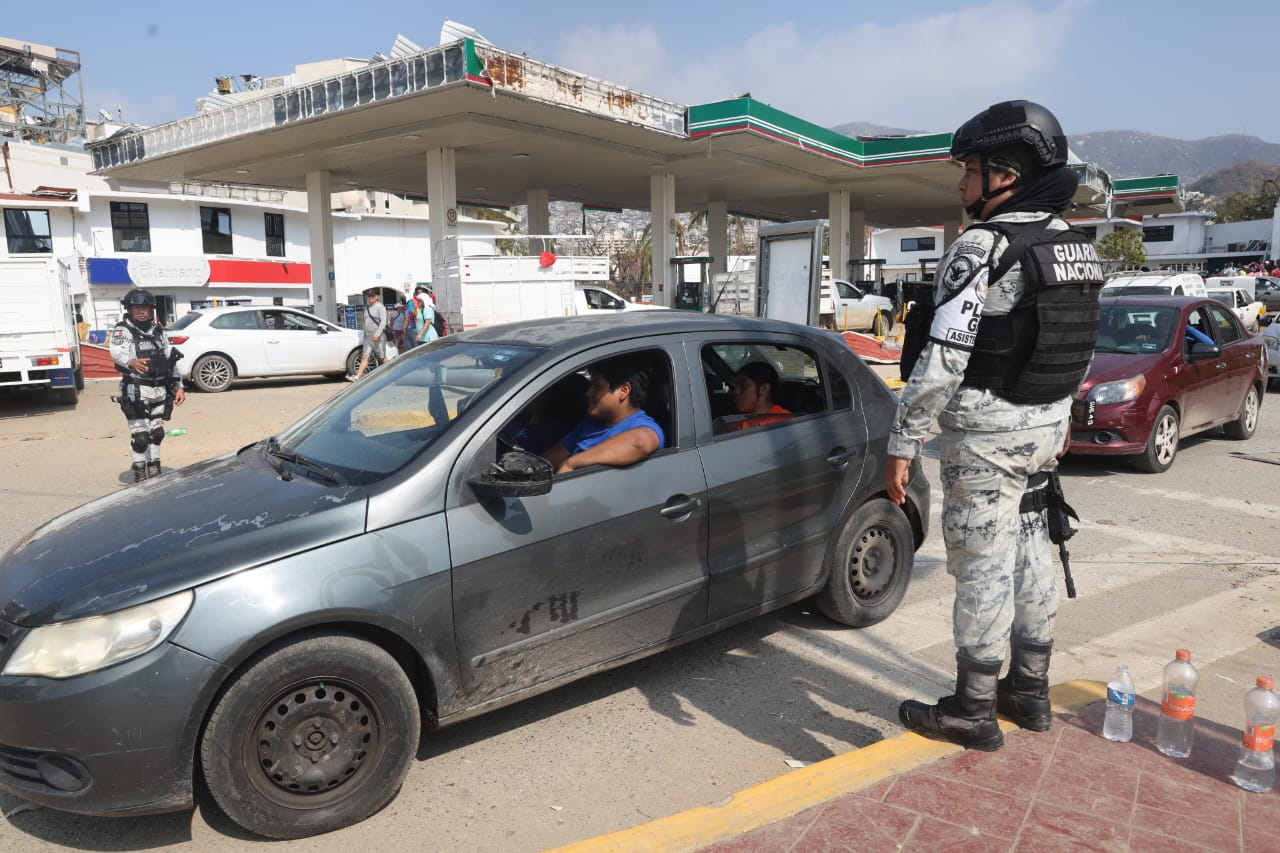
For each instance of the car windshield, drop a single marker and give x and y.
(1136, 328)
(400, 409)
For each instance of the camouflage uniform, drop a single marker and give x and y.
(143, 398)
(1001, 559)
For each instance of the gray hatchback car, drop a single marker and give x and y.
(285, 620)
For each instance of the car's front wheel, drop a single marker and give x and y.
(213, 373)
(868, 565)
(1162, 445)
(312, 736)
(1247, 421)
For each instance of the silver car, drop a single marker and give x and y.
(286, 620)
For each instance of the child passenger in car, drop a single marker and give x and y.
(753, 390)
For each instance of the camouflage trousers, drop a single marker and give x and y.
(1006, 581)
(145, 432)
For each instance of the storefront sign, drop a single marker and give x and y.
(168, 272)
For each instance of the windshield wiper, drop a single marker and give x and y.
(297, 460)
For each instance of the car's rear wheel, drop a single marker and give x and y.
(1162, 445)
(312, 736)
(1247, 421)
(213, 373)
(868, 565)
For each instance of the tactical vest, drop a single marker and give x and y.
(1040, 351)
(153, 347)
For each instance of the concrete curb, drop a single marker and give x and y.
(802, 789)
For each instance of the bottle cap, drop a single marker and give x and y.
(1182, 654)
(1265, 682)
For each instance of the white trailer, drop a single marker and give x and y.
(482, 290)
(39, 347)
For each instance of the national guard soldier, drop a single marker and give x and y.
(151, 384)
(1008, 344)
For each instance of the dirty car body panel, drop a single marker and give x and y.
(363, 520)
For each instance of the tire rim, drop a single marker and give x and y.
(215, 373)
(872, 562)
(313, 744)
(1250, 411)
(1166, 439)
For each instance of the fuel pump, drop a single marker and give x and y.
(695, 294)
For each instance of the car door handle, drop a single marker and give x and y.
(838, 458)
(679, 507)
(273, 340)
(1222, 365)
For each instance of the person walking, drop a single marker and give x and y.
(150, 383)
(375, 333)
(1011, 339)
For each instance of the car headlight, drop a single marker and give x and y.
(1120, 391)
(65, 649)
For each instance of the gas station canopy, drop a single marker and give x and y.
(518, 125)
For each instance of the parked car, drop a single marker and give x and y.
(1171, 283)
(846, 307)
(1271, 338)
(283, 620)
(221, 345)
(1165, 368)
(1267, 290)
(1248, 309)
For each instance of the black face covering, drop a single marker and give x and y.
(1049, 192)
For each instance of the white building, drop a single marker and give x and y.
(1189, 241)
(196, 245)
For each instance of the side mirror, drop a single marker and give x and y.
(1200, 350)
(517, 474)
(324, 330)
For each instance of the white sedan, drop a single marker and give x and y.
(220, 345)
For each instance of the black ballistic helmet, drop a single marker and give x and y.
(138, 296)
(1009, 123)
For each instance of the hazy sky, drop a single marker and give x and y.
(1181, 69)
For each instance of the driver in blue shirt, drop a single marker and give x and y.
(616, 430)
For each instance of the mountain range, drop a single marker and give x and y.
(1134, 154)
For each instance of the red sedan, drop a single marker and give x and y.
(1166, 367)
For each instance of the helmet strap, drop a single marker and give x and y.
(975, 210)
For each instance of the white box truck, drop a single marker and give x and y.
(39, 347)
(482, 290)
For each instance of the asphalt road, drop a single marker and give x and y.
(1185, 558)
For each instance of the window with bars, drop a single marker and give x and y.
(275, 234)
(27, 231)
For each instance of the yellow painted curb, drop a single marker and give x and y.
(776, 799)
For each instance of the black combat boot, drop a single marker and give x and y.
(1023, 694)
(969, 717)
(139, 472)
(153, 469)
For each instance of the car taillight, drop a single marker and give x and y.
(178, 339)
(44, 361)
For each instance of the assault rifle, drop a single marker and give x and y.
(1044, 492)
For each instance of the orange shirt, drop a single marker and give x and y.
(775, 414)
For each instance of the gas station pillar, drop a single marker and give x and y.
(662, 210)
(442, 197)
(324, 285)
(838, 234)
(539, 204)
(718, 235)
(950, 231)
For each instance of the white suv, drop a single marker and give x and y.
(1159, 281)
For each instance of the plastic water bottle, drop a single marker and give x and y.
(1176, 731)
(177, 431)
(1118, 725)
(1256, 769)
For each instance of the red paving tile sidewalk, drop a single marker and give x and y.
(1066, 789)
